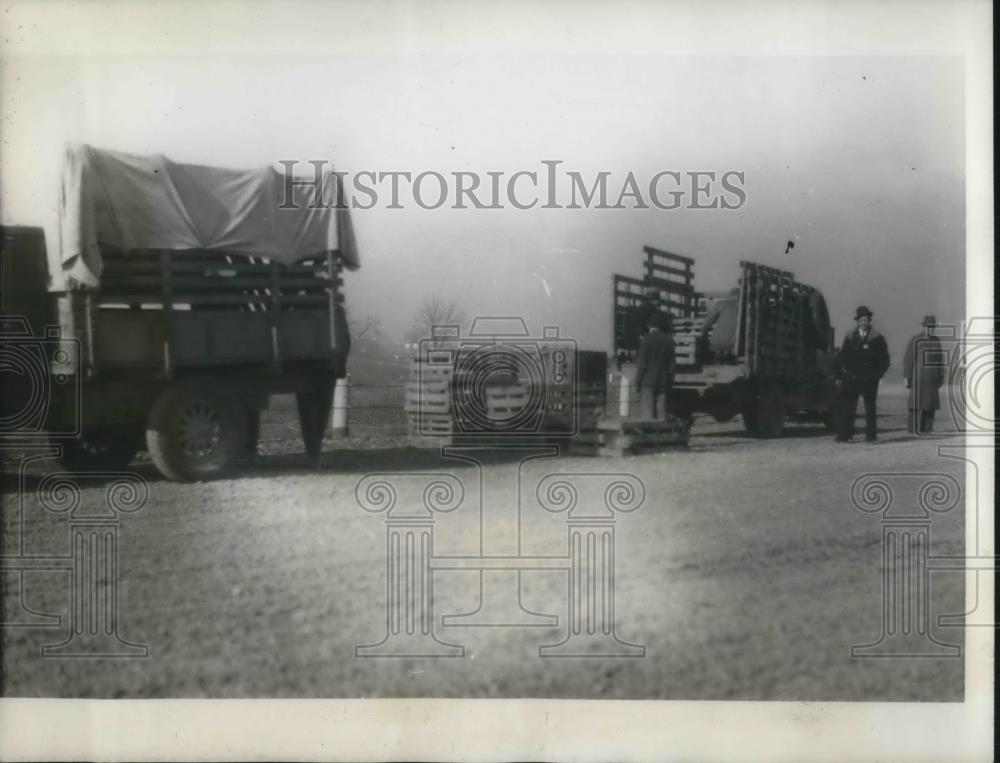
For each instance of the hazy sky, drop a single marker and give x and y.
(859, 160)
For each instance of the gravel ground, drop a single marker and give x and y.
(747, 574)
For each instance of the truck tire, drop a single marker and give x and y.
(196, 431)
(770, 411)
(100, 450)
(723, 413)
(829, 422)
(253, 434)
(764, 413)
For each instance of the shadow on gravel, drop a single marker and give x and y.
(375, 460)
(9, 482)
(790, 432)
(337, 461)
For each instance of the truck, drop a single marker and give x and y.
(175, 301)
(776, 361)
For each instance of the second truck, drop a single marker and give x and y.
(763, 350)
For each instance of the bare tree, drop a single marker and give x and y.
(435, 311)
(367, 333)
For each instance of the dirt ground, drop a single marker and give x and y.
(747, 573)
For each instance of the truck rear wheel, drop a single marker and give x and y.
(764, 413)
(722, 414)
(770, 413)
(196, 431)
(829, 422)
(100, 449)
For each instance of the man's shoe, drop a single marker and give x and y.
(871, 439)
(840, 438)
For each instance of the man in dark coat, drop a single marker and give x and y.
(655, 375)
(648, 308)
(924, 371)
(859, 366)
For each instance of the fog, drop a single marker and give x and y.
(857, 160)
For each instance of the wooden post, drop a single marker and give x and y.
(89, 318)
(339, 425)
(758, 319)
(779, 329)
(275, 316)
(332, 274)
(738, 339)
(167, 296)
(625, 397)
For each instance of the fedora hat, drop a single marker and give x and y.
(929, 320)
(862, 312)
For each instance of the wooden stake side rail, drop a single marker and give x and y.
(159, 310)
(671, 276)
(654, 252)
(772, 319)
(212, 279)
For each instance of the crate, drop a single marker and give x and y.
(428, 387)
(437, 366)
(506, 401)
(429, 429)
(686, 333)
(427, 397)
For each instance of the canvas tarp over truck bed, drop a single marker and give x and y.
(148, 202)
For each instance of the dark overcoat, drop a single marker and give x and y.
(656, 362)
(861, 363)
(923, 368)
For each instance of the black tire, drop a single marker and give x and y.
(770, 411)
(722, 415)
(100, 450)
(828, 421)
(681, 407)
(196, 431)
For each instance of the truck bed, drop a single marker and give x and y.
(162, 310)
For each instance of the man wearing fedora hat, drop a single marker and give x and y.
(859, 366)
(655, 373)
(648, 309)
(923, 369)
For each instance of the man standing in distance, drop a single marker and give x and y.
(924, 372)
(859, 366)
(655, 374)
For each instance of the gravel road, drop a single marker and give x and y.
(747, 574)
